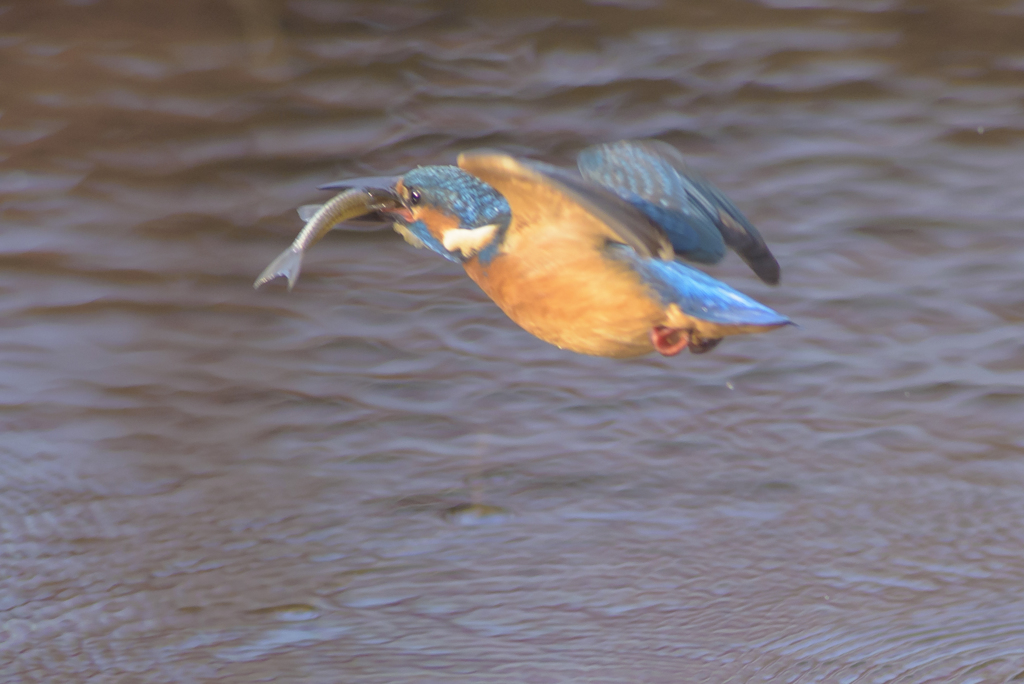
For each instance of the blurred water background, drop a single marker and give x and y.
(378, 478)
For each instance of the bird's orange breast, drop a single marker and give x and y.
(552, 279)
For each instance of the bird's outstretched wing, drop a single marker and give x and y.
(699, 220)
(537, 191)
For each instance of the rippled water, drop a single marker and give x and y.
(379, 478)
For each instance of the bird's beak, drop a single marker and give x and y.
(370, 183)
(384, 188)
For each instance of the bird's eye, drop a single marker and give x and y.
(414, 197)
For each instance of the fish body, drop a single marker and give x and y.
(346, 205)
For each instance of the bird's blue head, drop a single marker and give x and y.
(452, 212)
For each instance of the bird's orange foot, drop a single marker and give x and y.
(669, 341)
(699, 346)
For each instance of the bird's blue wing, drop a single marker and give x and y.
(699, 220)
(696, 293)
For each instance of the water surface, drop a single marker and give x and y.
(379, 478)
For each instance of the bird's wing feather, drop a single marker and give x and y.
(696, 215)
(697, 294)
(535, 189)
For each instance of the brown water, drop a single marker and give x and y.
(379, 478)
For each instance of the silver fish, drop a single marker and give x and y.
(321, 219)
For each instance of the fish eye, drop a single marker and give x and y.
(414, 197)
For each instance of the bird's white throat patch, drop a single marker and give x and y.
(469, 241)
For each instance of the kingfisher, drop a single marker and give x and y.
(586, 261)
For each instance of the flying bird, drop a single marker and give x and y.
(587, 261)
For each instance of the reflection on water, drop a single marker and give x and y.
(379, 478)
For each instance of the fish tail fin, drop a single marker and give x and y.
(288, 264)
